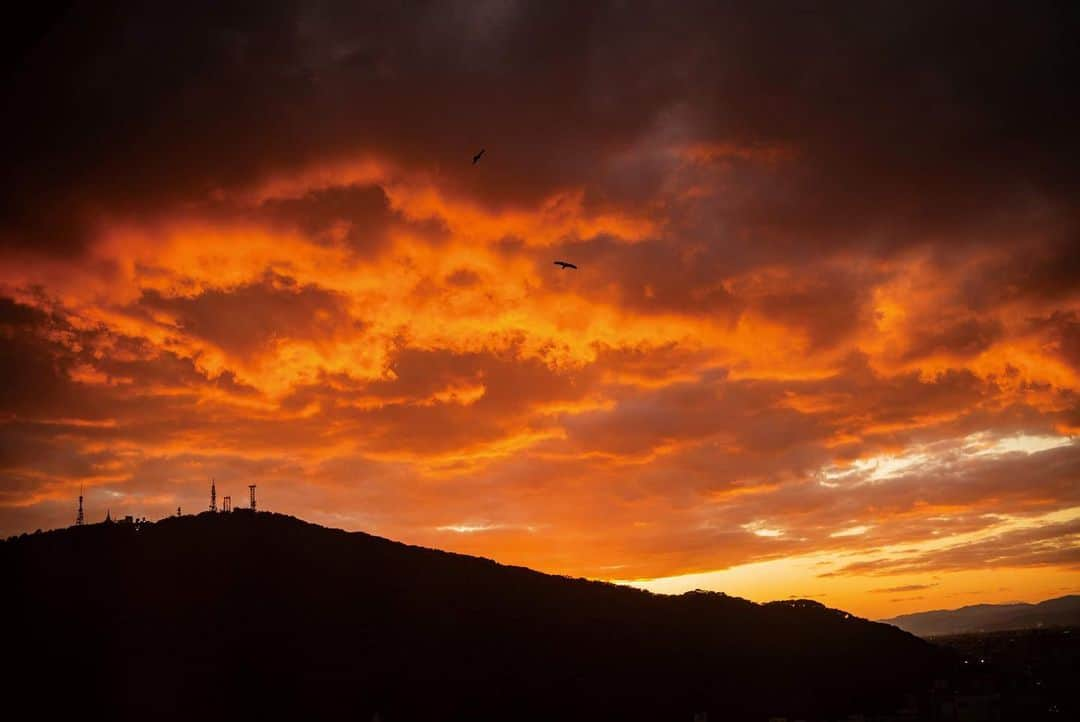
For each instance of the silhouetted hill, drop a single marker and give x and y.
(259, 615)
(1060, 612)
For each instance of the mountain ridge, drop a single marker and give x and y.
(178, 617)
(1057, 612)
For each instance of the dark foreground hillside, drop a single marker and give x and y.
(1026, 675)
(238, 616)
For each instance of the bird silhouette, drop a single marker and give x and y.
(564, 264)
(476, 157)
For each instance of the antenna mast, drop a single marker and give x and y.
(213, 496)
(251, 489)
(79, 519)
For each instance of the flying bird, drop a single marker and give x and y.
(476, 157)
(564, 264)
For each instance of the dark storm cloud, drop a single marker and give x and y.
(359, 216)
(1063, 331)
(968, 337)
(247, 319)
(463, 278)
(755, 416)
(33, 366)
(906, 121)
(56, 367)
(1042, 270)
(442, 401)
(652, 276)
(829, 308)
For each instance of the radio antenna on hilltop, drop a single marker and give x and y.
(80, 519)
(213, 496)
(251, 488)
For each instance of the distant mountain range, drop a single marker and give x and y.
(248, 616)
(1060, 612)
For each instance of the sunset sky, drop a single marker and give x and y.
(823, 341)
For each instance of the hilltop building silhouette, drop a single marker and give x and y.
(226, 507)
(127, 519)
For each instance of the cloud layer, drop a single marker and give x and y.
(827, 299)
